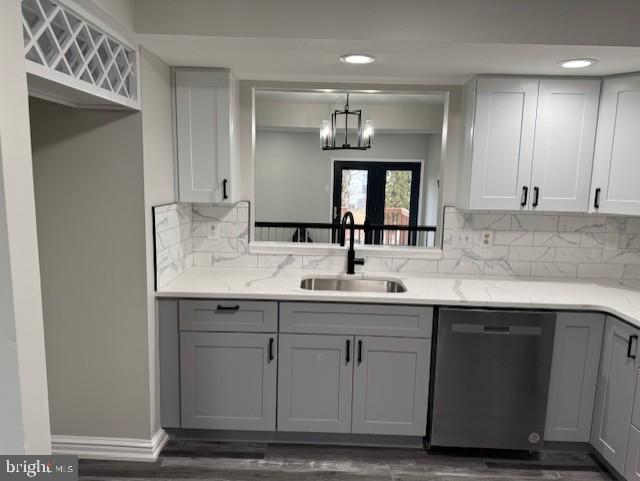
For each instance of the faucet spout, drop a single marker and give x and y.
(352, 260)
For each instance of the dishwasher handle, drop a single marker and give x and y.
(496, 329)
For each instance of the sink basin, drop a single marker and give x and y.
(353, 285)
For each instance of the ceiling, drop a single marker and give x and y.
(414, 41)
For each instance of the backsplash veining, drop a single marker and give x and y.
(200, 235)
(174, 249)
(543, 245)
(503, 244)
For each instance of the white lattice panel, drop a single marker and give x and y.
(57, 38)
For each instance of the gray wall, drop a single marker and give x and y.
(88, 173)
(293, 175)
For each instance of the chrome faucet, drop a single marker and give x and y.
(352, 260)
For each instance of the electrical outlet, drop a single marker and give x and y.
(212, 231)
(486, 237)
(463, 239)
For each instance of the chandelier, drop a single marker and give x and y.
(329, 129)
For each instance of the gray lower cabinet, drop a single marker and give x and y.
(632, 465)
(390, 386)
(615, 393)
(574, 375)
(228, 380)
(315, 383)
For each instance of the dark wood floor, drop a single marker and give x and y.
(198, 460)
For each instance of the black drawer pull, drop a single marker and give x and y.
(359, 352)
(525, 194)
(224, 189)
(632, 338)
(596, 198)
(271, 356)
(221, 308)
(536, 195)
(348, 351)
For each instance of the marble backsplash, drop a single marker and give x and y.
(501, 244)
(174, 248)
(542, 245)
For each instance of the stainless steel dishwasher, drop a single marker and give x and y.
(491, 378)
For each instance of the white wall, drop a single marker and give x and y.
(88, 173)
(121, 10)
(293, 174)
(155, 78)
(24, 413)
(422, 117)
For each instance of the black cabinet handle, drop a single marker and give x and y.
(224, 189)
(271, 357)
(536, 195)
(348, 351)
(525, 194)
(221, 308)
(596, 198)
(632, 338)
(359, 352)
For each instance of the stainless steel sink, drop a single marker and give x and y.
(354, 285)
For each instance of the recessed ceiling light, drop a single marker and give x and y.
(357, 58)
(577, 62)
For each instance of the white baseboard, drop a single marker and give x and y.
(121, 449)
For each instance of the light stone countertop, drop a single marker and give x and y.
(619, 298)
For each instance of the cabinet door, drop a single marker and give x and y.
(503, 137)
(228, 381)
(564, 143)
(390, 386)
(632, 465)
(614, 396)
(616, 168)
(314, 383)
(203, 102)
(574, 375)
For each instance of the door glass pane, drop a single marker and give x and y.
(353, 197)
(397, 205)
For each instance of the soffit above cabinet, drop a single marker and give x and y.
(75, 59)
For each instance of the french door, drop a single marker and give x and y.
(378, 193)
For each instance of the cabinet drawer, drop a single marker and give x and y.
(363, 319)
(228, 315)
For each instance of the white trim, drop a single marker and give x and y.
(122, 449)
(293, 248)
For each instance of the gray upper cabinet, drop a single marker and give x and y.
(228, 315)
(564, 141)
(390, 386)
(363, 319)
(206, 112)
(315, 383)
(500, 150)
(616, 169)
(528, 143)
(228, 380)
(614, 396)
(574, 375)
